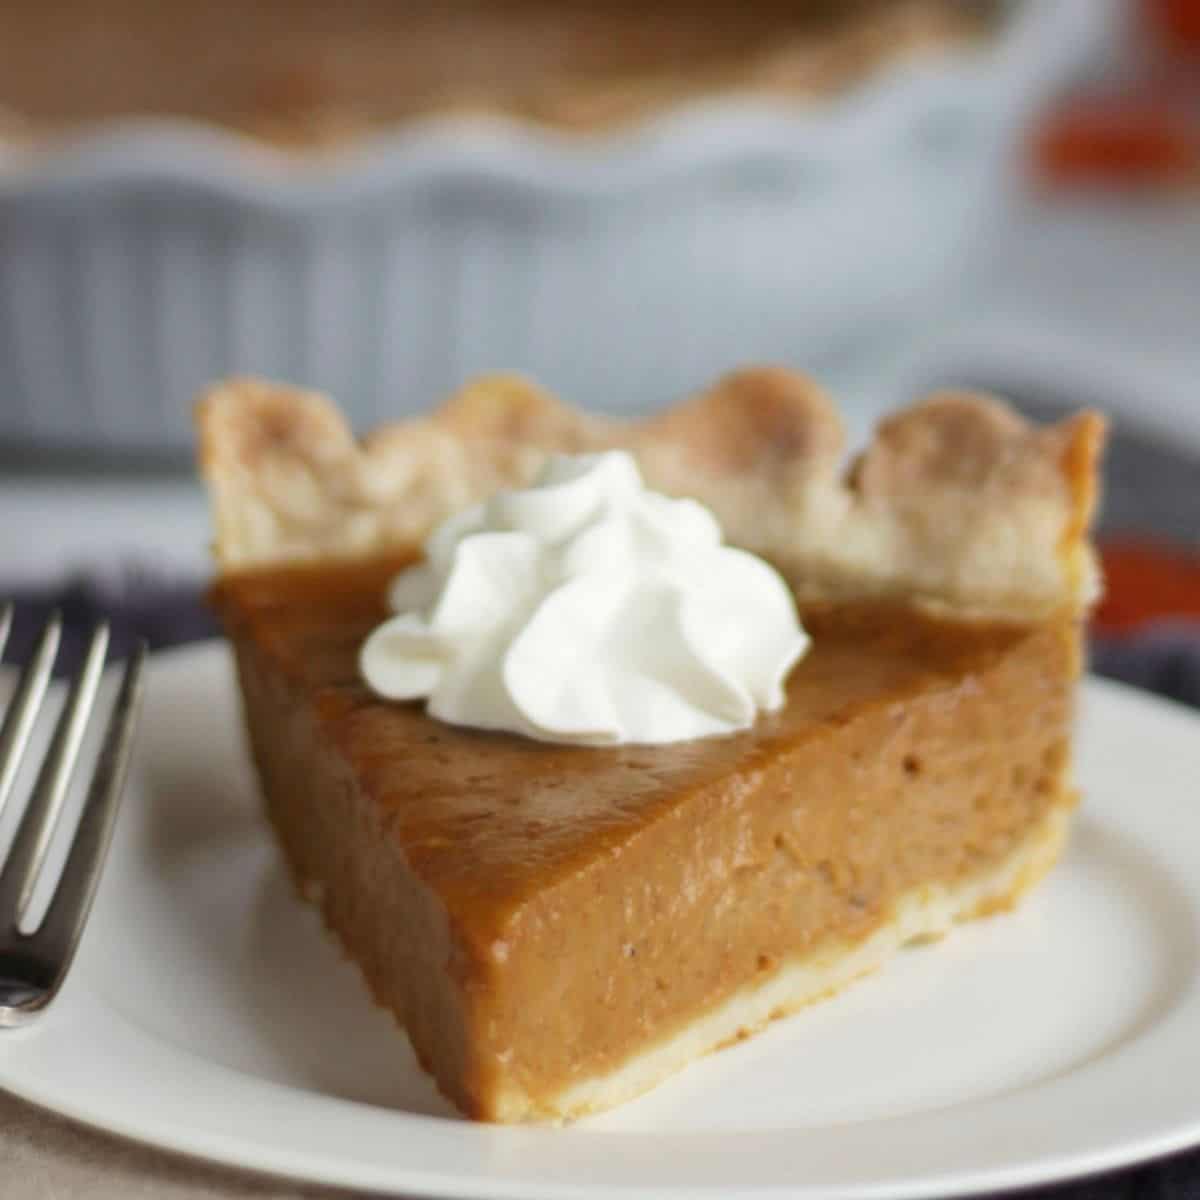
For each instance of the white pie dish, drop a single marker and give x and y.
(145, 258)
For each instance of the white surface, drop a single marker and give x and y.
(210, 1013)
(1094, 299)
(55, 524)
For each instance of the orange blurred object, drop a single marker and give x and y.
(1146, 581)
(1145, 135)
(1127, 140)
(1177, 21)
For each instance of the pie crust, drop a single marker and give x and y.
(305, 74)
(956, 501)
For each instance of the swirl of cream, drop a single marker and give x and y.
(587, 609)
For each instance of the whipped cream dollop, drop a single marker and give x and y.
(587, 609)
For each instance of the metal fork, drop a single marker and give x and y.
(34, 964)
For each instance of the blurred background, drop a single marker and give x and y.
(380, 199)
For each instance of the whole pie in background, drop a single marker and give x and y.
(308, 72)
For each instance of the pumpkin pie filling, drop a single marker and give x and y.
(558, 927)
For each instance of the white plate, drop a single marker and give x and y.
(209, 1012)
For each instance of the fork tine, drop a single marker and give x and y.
(58, 935)
(38, 822)
(6, 620)
(26, 701)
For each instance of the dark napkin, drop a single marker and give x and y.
(1164, 657)
(137, 605)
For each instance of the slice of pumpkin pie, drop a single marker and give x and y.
(601, 745)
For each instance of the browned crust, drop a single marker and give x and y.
(957, 501)
(322, 96)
